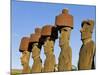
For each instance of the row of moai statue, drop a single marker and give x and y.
(46, 37)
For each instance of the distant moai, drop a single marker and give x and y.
(64, 23)
(36, 48)
(24, 49)
(49, 34)
(87, 50)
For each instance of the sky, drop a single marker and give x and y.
(26, 16)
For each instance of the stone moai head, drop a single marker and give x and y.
(65, 36)
(24, 48)
(49, 34)
(25, 57)
(64, 23)
(87, 29)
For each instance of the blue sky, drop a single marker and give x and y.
(26, 16)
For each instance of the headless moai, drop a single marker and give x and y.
(36, 47)
(64, 23)
(49, 33)
(24, 49)
(87, 51)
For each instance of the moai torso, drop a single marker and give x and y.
(65, 58)
(25, 61)
(86, 56)
(49, 64)
(49, 34)
(37, 65)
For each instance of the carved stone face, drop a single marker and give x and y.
(25, 57)
(65, 36)
(85, 32)
(48, 45)
(35, 50)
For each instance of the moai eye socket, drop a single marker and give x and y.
(85, 28)
(65, 29)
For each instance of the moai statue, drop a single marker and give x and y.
(64, 23)
(24, 49)
(87, 50)
(49, 34)
(36, 47)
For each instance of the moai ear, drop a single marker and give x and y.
(24, 45)
(64, 19)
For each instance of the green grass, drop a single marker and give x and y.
(16, 72)
(19, 71)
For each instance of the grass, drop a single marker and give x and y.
(16, 72)
(19, 71)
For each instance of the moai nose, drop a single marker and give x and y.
(81, 30)
(21, 57)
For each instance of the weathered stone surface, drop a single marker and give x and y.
(25, 62)
(46, 30)
(65, 57)
(86, 56)
(87, 50)
(64, 19)
(24, 45)
(49, 30)
(35, 38)
(49, 64)
(37, 65)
